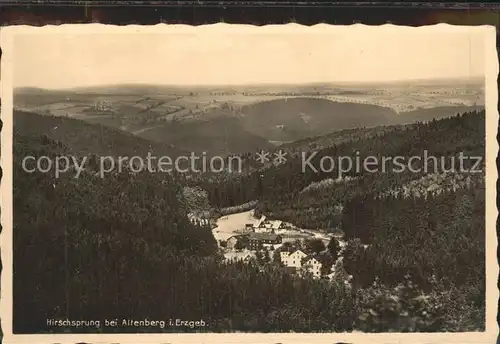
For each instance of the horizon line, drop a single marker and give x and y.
(263, 84)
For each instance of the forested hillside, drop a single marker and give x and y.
(222, 135)
(407, 233)
(436, 243)
(77, 241)
(84, 138)
(122, 246)
(279, 188)
(297, 118)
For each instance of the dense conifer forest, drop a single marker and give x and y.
(282, 189)
(123, 247)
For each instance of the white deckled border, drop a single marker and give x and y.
(7, 35)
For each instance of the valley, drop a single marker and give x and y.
(249, 181)
(339, 242)
(235, 120)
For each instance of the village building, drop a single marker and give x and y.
(257, 240)
(266, 226)
(232, 241)
(293, 259)
(259, 222)
(278, 225)
(312, 265)
(284, 256)
(262, 229)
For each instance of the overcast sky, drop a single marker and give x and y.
(69, 60)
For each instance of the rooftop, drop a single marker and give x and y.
(258, 223)
(277, 224)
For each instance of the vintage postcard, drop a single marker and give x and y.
(242, 184)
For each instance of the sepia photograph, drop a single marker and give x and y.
(329, 182)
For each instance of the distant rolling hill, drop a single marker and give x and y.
(255, 126)
(220, 135)
(84, 138)
(297, 118)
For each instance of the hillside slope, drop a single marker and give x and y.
(84, 138)
(218, 136)
(81, 241)
(296, 118)
(438, 112)
(278, 187)
(122, 247)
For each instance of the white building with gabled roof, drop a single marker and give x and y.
(292, 259)
(259, 221)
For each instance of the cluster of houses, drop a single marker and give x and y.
(269, 236)
(256, 236)
(265, 226)
(296, 261)
(102, 106)
(272, 236)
